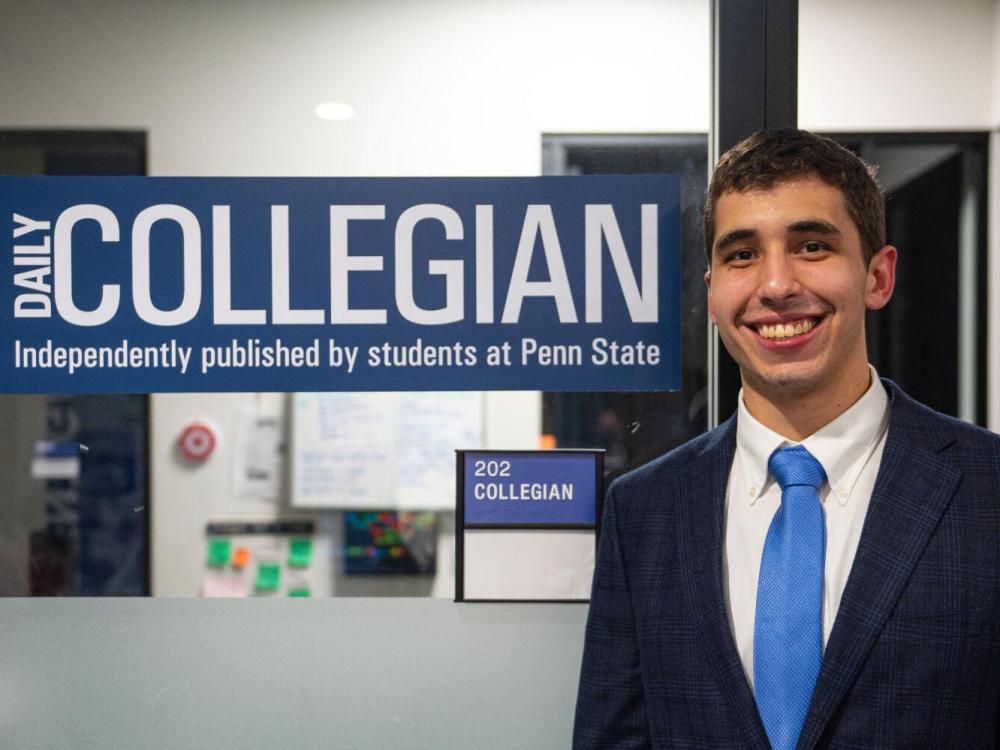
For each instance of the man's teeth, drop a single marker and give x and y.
(784, 330)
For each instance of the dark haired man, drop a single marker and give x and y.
(823, 570)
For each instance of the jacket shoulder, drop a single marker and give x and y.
(659, 474)
(944, 432)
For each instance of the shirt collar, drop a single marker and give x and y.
(843, 447)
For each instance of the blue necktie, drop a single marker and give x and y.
(788, 628)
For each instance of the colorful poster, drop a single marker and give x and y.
(390, 543)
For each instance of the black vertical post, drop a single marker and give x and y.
(754, 87)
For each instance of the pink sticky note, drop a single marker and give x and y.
(223, 586)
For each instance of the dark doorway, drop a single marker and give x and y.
(931, 338)
(76, 500)
(636, 427)
(72, 152)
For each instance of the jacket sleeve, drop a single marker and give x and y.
(610, 707)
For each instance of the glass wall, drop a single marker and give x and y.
(302, 89)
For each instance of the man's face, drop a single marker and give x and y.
(788, 286)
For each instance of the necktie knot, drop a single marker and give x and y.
(796, 467)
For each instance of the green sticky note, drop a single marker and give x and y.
(268, 577)
(299, 552)
(299, 592)
(218, 553)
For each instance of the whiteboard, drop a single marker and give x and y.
(381, 450)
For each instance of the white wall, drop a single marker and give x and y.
(446, 87)
(993, 312)
(896, 65)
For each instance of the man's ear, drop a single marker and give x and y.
(708, 283)
(881, 278)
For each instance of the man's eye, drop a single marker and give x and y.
(813, 247)
(742, 255)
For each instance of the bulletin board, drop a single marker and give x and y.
(271, 558)
(381, 450)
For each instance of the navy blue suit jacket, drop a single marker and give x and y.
(913, 660)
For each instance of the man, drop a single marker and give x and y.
(823, 569)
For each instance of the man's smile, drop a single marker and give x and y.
(786, 332)
(786, 329)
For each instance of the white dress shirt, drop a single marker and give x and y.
(850, 450)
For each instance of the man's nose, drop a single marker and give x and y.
(778, 280)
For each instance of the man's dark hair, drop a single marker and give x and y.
(772, 156)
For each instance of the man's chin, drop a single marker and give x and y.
(787, 380)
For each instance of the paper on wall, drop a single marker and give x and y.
(258, 459)
(381, 450)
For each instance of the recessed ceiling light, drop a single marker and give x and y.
(334, 111)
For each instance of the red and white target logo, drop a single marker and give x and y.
(197, 442)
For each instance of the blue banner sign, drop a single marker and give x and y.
(538, 487)
(128, 284)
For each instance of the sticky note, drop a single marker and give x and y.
(300, 592)
(218, 552)
(223, 585)
(268, 577)
(241, 556)
(299, 552)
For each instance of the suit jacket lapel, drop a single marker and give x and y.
(700, 494)
(898, 525)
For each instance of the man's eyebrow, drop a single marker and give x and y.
(730, 238)
(813, 226)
